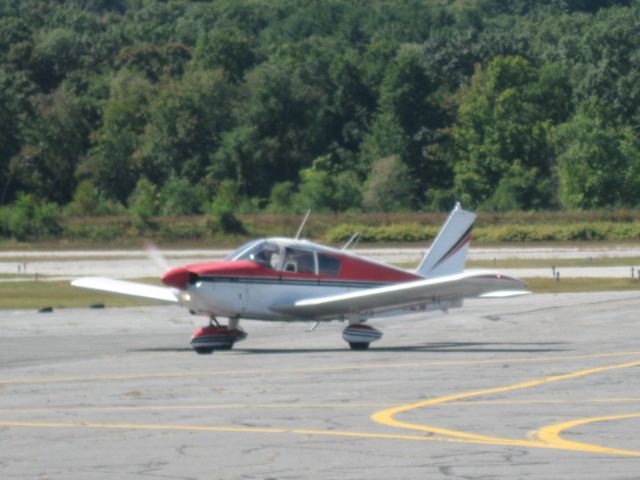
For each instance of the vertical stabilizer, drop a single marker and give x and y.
(448, 253)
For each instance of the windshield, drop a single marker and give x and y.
(262, 252)
(240, 250)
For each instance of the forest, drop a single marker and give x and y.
(174, 108)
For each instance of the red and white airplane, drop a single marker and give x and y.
(284, 279)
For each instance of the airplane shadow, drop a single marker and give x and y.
(160, 349)
(446, 347)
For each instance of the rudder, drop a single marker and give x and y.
(448, 253)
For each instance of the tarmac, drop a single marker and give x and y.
(541, 386)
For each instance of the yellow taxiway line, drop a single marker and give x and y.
(548, 437)
(551, 434)
(206, 428)
(545, 437)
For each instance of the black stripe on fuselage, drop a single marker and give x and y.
(312, 282)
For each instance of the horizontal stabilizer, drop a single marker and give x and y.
(123, 287)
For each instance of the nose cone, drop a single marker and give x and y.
(176, 277)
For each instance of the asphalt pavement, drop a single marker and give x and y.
(542, 386)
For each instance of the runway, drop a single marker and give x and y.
(543, 386)
(70, 264)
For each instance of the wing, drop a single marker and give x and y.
(432, 291)
(123, 287)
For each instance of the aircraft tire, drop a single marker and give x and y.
(203, 350)
(359, 345)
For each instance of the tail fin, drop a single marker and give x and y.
(448, 253)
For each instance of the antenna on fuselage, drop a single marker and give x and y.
(304, 220)
(353, 240)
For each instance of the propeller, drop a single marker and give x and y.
(155, 255)
(178, 277)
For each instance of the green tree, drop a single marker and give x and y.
(227, 47)
(55, 53)
(288, 116)
(407, 122)
(281, 197)
(53, 145)
(85, 199)
(179, 197)
(504, 118)
(326, 186)
(598, 161)
(144, 200)
(29, 218)
(185, 123)
(222, 218)
(315, 191)
(154, 61)
(388, 187)
(12, 104)
(245, 158)
(113, 163)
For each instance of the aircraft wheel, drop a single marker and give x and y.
(203, 350)
(359, 345)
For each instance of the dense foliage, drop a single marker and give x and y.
(182, 107)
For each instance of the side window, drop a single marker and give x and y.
(328, 265)
(299, 261)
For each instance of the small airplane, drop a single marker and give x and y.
(288, 279)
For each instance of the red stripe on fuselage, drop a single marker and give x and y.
(351, 269)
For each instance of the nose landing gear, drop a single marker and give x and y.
(217, 337)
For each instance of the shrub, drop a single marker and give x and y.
(85, 199)
(143, 202)
(179, 197)
(27, 218)
(221, 218)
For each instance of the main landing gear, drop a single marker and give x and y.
(217, 337)
(359, 336)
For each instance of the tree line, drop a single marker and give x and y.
(183, 107)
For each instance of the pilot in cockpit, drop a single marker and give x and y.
(268, 256)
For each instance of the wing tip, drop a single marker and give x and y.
(505, 293)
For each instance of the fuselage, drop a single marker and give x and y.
(273, 271)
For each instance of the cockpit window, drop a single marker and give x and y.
(300, 261)
(263, 253)
(242, 249)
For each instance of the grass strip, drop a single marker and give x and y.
(572, 285)
(59, 294)
(509, 263)
(557, 262)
